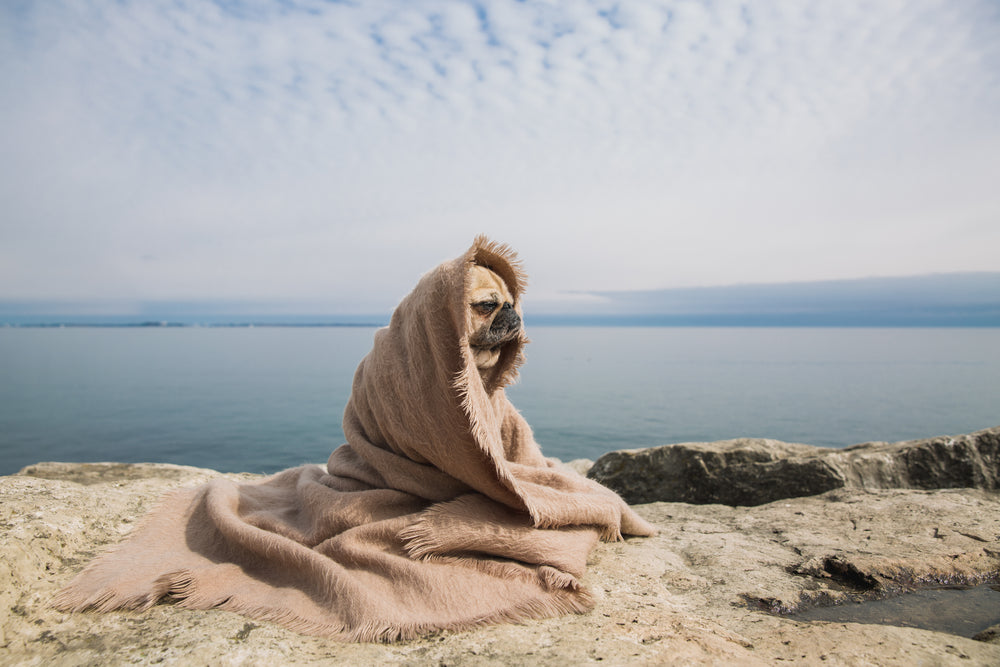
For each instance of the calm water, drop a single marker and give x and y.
(963, 611)
(263, 399)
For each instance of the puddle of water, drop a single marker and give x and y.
(959, 611)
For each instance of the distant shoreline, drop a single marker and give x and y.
(187, 325)
(955, 300)
(639, 321)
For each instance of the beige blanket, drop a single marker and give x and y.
(440, 512)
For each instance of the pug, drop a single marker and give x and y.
(492, 320)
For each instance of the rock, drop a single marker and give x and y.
(990, 634)
(697, 593)
(580, 466)
(756, 471)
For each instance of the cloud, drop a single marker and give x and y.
(330, 152)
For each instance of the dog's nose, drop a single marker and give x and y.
(507, 306)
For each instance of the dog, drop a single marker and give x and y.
(492, 320)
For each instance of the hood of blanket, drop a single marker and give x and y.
(419, 394)
(502, 260)
(433, 319)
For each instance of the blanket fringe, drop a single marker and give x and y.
(558, 599)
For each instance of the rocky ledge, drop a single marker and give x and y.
(714, 587)
(750, 471)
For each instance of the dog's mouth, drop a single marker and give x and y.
(495, 338)
(493, 344)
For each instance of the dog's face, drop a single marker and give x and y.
(492, 320)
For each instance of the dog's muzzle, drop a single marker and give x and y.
(506, 323)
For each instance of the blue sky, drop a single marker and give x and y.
(320, 156)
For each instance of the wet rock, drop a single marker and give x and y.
(990, 634)
(756, 471)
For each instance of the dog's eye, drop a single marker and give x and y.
(485, 307)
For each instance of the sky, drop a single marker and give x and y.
(314, 156)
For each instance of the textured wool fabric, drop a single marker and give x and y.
(439, 512)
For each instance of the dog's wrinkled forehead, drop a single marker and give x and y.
(484, 283)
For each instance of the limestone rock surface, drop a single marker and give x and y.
(700, 592)
(750, 471)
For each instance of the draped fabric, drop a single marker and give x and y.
(439, 512)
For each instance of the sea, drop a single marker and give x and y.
(261, 399)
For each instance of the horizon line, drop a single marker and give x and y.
(707, 320)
